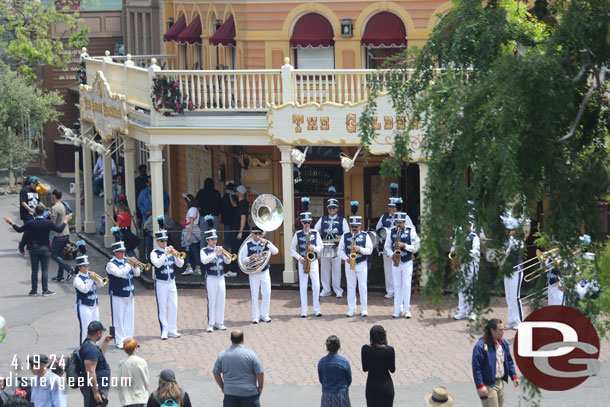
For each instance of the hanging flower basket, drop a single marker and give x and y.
(166, 95)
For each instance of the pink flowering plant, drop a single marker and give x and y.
(166, 95)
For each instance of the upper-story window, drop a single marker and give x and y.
(384, 36)
(224, 36)
(313, 44)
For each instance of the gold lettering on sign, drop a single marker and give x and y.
(298, 120)
(87, 103)
(401, 123)
(376, 124)
(388, 122)
(324, 123)
(111, 111)
(312, 123)
(350, 123)
(97, 106)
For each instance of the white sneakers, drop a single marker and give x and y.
(408, 315)
(458, 317)
(164, 336)
(197, 271)
(389, 295)
(210, 328)
(349, 314)
(303, 315)
(266, 319)
(396, 315)
(220, 327)
(174, 335)
(230, 274)
(255, 321)
(364, 313)
(325, 294)
(188, 271)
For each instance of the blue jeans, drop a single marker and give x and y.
(57, 252)
(40, 254)
(231, 238)
(241, 401)
(192, 255)
(98, 183)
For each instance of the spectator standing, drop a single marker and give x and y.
(208, 199)
(28, 199)
(145, 201)
(492, 364)
(40, 253)
(46, 388)
(242, 214)
(239, 374)
(227, 217)
(136, 368)
(98, 175)
(60, 239)
(96, 367)
(168, 390)
(141, 179)
(118, 188)
(123, 222)
(335, 375)
(378, 359)
(191, 236)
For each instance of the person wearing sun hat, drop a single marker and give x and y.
(439, 396)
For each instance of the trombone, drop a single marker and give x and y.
(175, 253)
(537, 263)
(96, 277)
(228, 255)
(139, 264)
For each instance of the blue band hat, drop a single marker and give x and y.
(332, 202)
(256, 229)
(119, 245)
(83, 259)
(355, 220)
(161, 235)
(400, 217)
(305, 216)
(211, 233)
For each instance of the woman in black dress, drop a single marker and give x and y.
(379, 360)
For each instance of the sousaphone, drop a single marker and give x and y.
(268, 214)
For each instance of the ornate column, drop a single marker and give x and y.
(108, 202)
(290, 273)
(129, 176)
(156, 179)
(89, 223)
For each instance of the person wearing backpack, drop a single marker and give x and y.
(168, 394)
(60, 239)
(95, 366)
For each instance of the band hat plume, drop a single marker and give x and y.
(119, 245)
(83, 259)
(332, 202)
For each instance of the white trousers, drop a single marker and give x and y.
(471, 272)
(315, 287)
(512, 289)
(357, 276)
(122, 310)
(86, 315)
(216, 291)
(167, 305)
(403, 275)
(330, 268)
(260, 283)
(387, 271)
(555, 295)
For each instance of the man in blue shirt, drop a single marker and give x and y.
(95, 365)
(47, 388)
(492, 364)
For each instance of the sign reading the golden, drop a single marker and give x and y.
(337, 124)
(105, 109)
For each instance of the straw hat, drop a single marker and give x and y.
(439, 397)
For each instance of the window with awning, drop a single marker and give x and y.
(192, 34)
(172, 34)
(225, 35)
(313, 43)
(384, 36)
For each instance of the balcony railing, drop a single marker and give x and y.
(234, 90)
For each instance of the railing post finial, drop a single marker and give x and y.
(153, 61)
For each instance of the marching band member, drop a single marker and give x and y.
(408, 244)
(470, 270)
(331, 227)
(163, 259)
(85, 284)
(122, 292)
(363, 246)
(259, 282)
(512, 285)
(299, 249)
(213, 259)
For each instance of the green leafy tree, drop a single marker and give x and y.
(519, 112)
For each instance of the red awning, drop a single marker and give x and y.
(175, 30)
(384, 30)
(225, 35)
(312, 30)
(192, 33)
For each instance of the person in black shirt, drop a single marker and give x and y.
(141, 180)
(227, 217)
(378, 359)
(40, 251)
(95, 365)
(28, 199)
(208, 199)
(242, 214)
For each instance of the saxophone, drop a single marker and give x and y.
(309, 255)
(352, 254)
(397, 252)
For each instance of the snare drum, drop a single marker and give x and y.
(329, 250)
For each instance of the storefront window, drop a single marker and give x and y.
(376, 56)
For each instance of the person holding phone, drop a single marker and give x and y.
(96, 367)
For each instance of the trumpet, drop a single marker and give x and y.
(452, 255)
(175, 253)
(96, 277)
(228, 255)
(142, 266)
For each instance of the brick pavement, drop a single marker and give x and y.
(427, 346)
